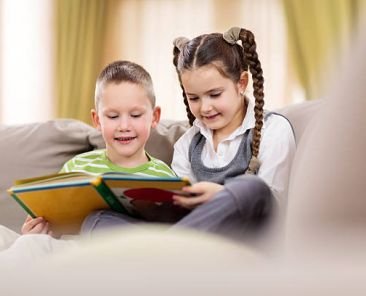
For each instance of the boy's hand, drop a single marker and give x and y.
(35, 225)
(201, 192)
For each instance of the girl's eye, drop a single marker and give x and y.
(136, 115)
(193, 99)
(112, 116)
(215, 95)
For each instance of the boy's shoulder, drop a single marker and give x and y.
(157, 161)
(91, 155)
(159, 165)
(86, 161)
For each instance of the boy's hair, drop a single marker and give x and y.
(230, 59)
(124, 71)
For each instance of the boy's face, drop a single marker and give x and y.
(125, 116)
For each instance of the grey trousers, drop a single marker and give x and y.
(240, 210)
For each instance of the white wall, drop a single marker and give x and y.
(26, 85)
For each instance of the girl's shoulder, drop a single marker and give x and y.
(274, 120)
(277, 128)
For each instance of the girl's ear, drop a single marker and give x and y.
(95, 119)
(243, 81)
(156, 116)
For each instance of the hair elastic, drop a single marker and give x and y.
(180, 42)
(232, 35)
(254, 165)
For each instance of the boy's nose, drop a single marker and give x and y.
(124, 124)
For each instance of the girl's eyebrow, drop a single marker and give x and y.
(209, 91)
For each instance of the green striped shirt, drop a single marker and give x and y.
(96, 162)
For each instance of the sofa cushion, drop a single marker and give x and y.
(300, 115)
(34, 149)
(163, 137)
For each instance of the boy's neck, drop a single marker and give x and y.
(130, 162)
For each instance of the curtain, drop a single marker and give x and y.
(144, 30)
(318, 32)
(80, 27)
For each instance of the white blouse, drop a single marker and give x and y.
(276, 152)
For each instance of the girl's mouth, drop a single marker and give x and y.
(211, 117)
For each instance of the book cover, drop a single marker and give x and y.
(64, 200)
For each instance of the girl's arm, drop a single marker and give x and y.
(201, 192)
(181, 165)
(276, 154)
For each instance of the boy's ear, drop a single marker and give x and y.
(156, 116)
(243, 81)
(95, 118)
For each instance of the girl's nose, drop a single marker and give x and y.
(206, 105)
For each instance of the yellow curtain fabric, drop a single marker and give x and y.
(80, 28)
(317, 33)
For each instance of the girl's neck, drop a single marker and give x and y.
(219, 135)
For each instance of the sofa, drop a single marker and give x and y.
(41, 148)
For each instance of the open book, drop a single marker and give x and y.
(65, 199)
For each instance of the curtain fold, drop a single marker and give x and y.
(318, 31)
(80, 29)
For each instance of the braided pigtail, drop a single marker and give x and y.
(251, 57)
(179, 43)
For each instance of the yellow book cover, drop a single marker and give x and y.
(64, 200)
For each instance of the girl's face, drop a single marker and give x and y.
(125, 116)
(214, 99)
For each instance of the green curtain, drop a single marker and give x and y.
(80, 27)
(318, 30)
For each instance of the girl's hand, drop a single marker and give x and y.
(35, 225)
(201, 192)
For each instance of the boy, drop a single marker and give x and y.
(124, 112)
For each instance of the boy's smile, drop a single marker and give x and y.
(124, 140)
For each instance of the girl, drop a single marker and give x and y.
(239, 155)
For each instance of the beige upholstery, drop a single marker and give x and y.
(41, 148)
(327, 199)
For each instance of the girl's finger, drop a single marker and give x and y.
(189, 202)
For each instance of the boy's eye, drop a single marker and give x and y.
(112, 116)
(137, 115)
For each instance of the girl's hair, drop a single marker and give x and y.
(124, 71)
(231, 60)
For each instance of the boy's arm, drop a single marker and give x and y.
(35, 225)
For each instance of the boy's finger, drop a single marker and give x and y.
(45, 228)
